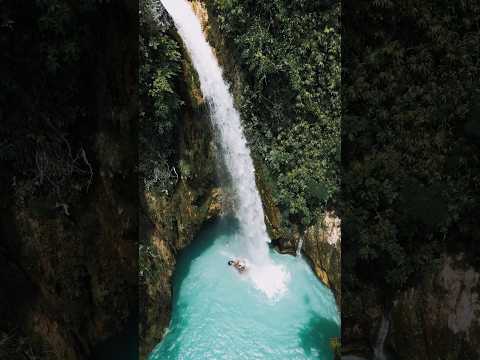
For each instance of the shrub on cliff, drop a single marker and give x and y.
(160, 65)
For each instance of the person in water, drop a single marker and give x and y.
(238, 265)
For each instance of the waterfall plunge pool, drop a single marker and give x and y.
(219, 314)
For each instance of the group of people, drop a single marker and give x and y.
(240, 266)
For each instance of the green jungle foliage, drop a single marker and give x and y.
(289, 53)
(159, 105)
(160, 67)
(410, 142)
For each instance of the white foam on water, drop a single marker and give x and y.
(270, 278)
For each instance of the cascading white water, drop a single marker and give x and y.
(299, 247)
(379, 352)
(266, 275)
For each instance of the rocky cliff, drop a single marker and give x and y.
(438, 318)
(321, 241)
(170, 221)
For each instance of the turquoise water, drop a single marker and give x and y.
(219, 314)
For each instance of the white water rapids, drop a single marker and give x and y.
(267, 276)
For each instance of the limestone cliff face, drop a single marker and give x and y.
(440, 316)
(321, 241)
(167, 227)
(170, 221)
(322, 244)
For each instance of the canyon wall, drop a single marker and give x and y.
(170, 221)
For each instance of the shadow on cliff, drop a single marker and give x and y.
(122, 346)
(205, 239)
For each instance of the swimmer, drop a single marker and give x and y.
(238, 265)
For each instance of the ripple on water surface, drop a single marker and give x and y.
(219, 314)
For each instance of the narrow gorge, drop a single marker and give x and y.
(216, 155)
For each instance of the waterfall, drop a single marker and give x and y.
(379, 349)
(382, 335)
(299, 247)
(226, 120)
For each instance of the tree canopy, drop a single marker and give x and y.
(289, 54)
